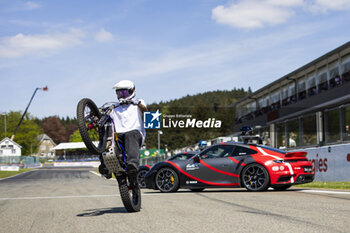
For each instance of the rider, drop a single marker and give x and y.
(127, 119)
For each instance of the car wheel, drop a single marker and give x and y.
(197, 190)
(282, 187)
(141, 178)
(167, 180)
(255, 177)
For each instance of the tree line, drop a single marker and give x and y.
(213, 104)
(58, 129)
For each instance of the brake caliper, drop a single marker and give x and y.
(250, 180)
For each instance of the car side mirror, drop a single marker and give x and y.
(196, 159)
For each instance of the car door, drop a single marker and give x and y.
(241, 156)
(215, 166)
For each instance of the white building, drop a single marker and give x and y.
(10, 148)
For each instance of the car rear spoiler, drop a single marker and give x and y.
(294, 154)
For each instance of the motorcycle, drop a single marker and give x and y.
(97, 131)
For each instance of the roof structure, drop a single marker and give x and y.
(6, 138)
(292, 76)
(71, 145)
(43, 137)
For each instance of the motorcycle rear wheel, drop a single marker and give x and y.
(88, 116)
(130, 194)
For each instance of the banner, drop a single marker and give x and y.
(9, 168)
(144, 154)
(330, 163)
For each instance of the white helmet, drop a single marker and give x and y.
(125, 90)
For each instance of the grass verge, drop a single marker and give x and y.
(326, 185)
(4, 174)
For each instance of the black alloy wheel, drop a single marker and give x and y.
(141, 178)
(167, 180)
(255, 177)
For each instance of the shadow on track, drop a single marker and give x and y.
(102, 211)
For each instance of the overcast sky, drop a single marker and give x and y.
(169, 48)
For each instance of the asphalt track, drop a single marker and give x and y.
(76, 200)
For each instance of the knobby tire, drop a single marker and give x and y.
(131, 198)
(84, 132)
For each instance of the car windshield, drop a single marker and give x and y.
(272, 149)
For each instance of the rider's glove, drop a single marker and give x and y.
(135, 102)
(123, 102)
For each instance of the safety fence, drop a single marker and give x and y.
(20, 161)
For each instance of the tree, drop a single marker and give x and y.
(71, 125)
(75, 137)
(213, 104)
(71, 128)
(27, 132)
(53, 127)
(249, 91)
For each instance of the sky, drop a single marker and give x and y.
(168, 48)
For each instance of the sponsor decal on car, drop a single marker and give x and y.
(191, 167)
(191, 182)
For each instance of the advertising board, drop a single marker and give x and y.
(330, 163)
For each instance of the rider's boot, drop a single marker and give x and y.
(131, 169)
(103, 169)
(132, 174)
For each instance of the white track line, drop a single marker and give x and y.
(324, 191)
(82, 196)
(57, 197)
(97, 174)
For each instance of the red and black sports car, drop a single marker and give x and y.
(252, 166)
(145, 168)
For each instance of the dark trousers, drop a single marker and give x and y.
(131, 142)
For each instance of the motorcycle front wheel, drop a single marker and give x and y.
(88, 117)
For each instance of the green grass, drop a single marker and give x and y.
(4, 174)
(326, 185)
